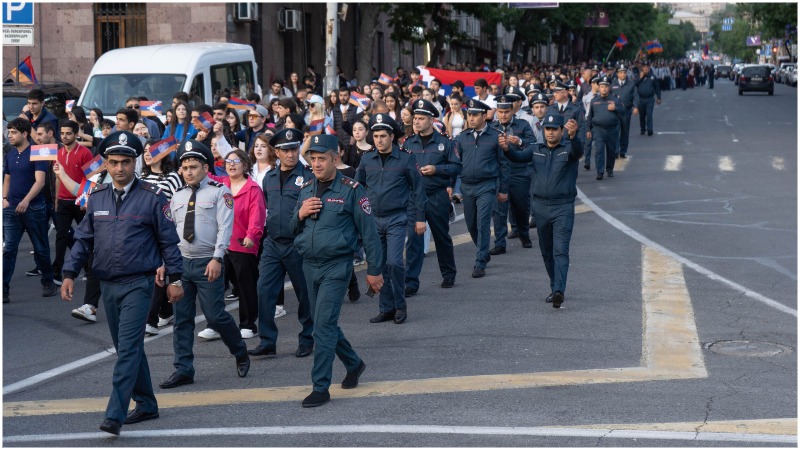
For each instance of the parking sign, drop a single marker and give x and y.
(17, 13)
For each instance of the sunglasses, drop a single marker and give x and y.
(132, 106)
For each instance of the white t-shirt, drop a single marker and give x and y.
(490, 101)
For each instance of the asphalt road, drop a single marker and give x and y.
(679, 326)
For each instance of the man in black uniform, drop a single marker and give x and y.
(629, 96)
(605, 115)
(649, 94)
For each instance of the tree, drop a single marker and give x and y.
(370, 13)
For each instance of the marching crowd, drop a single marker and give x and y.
(306, 184)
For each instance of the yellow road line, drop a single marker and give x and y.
(622, 163)
(781, 427)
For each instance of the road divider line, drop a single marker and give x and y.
(726, 164)
(673, 163)
(778, 163)
(621, 164)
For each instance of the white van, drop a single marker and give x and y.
(204, 70)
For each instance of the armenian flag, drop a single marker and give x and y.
(25, 71)
(204, 122)
(96, 165)
(385, 80)
(83, 192)
(45, 152)
(151, 108)
(316, 126)
(237, 103)
(163, 148)
(621, 41)
(359, 100)
(448, 77)
(69, 105)
(329, 130)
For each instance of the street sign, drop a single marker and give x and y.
(18, 36)
(753, 41)
(17, 13)
(727, 21)
(727, 27)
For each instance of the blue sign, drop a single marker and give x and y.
(727, 27)
(17, 13)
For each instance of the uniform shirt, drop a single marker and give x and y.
(281, 200)
(522, 130)
(600, 116)
(555, 170)
(213, 220)
(648, 86)
(71, 162)
(523, 114)
(571, 111)
(130, 242)
(346, 214)
(438, 153)
(482, 158)
(394, 185)
(626, 91)
(22, 171)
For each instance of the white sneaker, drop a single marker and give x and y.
(165, 322)
(280, 311)
(208, 334)
(85, 312)
(150, 330)
(247, 333)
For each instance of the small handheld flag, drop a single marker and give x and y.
(45, 152)
(237, 103)
(25, 72)
(204, 122)
(151, 108)
(359, 100)
(83, 192)
(329, 130)
(621, 41)
(163, 148)
(316, 126)
(69, 105)
(385, 80)
(96, 165)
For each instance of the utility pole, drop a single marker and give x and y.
(331, 35)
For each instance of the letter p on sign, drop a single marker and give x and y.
(17, 13)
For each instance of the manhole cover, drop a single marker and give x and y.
(748, 348)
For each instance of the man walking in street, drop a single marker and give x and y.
(649, 95)
(629, 95)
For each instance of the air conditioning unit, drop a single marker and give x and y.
(290, 20)
(245, 11)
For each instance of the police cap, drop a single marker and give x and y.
(324, 143)
(571, 84)
(121, 143)
(559, 86)
(287, 138)
(534, 87)
(477, 107)
(382, 122)
(426, 108)
(553, 121)
(506, 101)
(514, 93)
(540, 98)
(195, 149)
(622, 68)
(604, 80)
(646, 63)
(596, 68)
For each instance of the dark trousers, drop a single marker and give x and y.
(66, 212)
(392, 231)
(518, 208)
(33, 222)
(625, 131)
(276, 261)
(554, 226)
(212, 303)
(604, 141)
(479, 202)
(244, 269)
(437, 214)
(159, 305)
(646, 106)
(126, 311)
(711, 82)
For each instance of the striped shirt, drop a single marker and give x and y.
(169, 183)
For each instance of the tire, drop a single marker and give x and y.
(771, 92)
(741, 92)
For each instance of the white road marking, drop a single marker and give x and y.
(727, 122)
(734, 138)
(670, 132)
(413, 429)
(777, 163)
(694, 266)
(673, 163)
(726, 164)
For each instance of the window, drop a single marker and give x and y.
(237, 78)
(119, 25)
(197, 91)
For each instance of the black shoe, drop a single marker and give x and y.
(488, 259)
(549, 298)
(600, 177)
(558, 299)
(243, 366)
(49, 290)
(649, 133)
(263, 350)
(351, 379)
(176, 380)
(532, 224)
(512, 235)
(400, 316)
(410, 292)
(642, 133)
(587, 167)
(382, 317)
(110, 426)
(315, 399)
(623, 156)
(35, 272)
(57, 279)
(6, 298)
(478, 272)
(352, 293)
(497, 251)
(303, 351)
(448, 283)
(610, 174)
(527, 243)
(137, 415)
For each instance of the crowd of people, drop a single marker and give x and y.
(308, 184)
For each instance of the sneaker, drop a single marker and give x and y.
(85, 312)
(231, 297)
(208, 334)
(280, 311)
(57, 280)
(452, 217)
(49, 290)
(458, 198)
(247, 333)
(150, 330)
(165, 322)
(35, 272)
(358, 261)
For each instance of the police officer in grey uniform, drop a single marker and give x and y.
(649, 95)
(629, 95)
(127, 256)
(203, 215)
(605, 115)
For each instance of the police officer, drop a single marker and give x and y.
(555, 166)
(629, 95)
(203, 215)
(332, 212)
(127, 253)
(439, 166)
(518, 98)
(281, 187)
(397, 194)
(649, 94)
(516, 134)
(563, 105)
(484, 178)
(605, 114)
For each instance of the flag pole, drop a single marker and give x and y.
(612, 50)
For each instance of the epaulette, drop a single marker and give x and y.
(150, 187)
(349, 182)
(98, 187)
(307, 183)
(215, 183)
(403, 149)
(182, 187)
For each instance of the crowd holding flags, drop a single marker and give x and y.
(163, 148)
(24, 71)
(385, 80)
(237, 103)
(653, 47)
(83, 192)
(204, 122)
(44, 152)
(359, 100)
(316, 126)
(151, 108)
(95, 165)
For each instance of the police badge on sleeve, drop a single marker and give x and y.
(167, 212)
(365, 206)
(228, 200)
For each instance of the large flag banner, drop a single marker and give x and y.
(96, 165)
(204, 122)
(25, 71)
(83, 192)
(359, 100)
(385, 80)
(653, 47)
(237, 103)
(163, 148)
(151, 108)
(448, 77)
(621, 41)
(45, 152)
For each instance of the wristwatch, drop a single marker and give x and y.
(178, 283)
(217, 259)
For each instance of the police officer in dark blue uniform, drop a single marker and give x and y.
(128, 229)
(332, 212)
(397, 194)
(484, 178)
(439, 166)
(629, 95)
(555, 166)
(605, 115)
(281, 187)
(516, 134)
(563, 105)
(649, 92)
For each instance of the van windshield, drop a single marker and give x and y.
(109, 92)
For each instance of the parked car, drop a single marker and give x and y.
(722, 70)
(735, 71)
(56, 94)
(756, 79)
(792, 81)
(783, 73)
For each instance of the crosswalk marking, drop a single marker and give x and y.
(673, 163)
(622, 163)
(726, 164)
(778, 163)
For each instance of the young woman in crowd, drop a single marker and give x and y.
(393, 103)
(180, 126)
(232, 117)
(96, 119)
(455, 119)
(352, 153)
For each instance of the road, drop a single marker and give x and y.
(679, 326)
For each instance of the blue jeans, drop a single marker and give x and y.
(34, 222)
